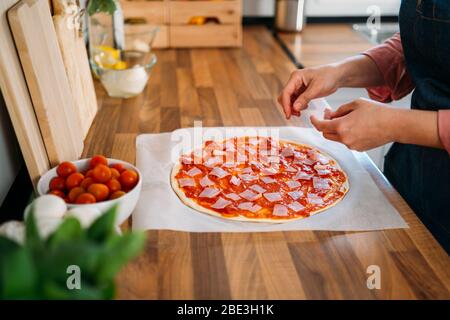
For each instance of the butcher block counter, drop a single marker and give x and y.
(239, 87)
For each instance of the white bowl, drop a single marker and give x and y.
(125, 204)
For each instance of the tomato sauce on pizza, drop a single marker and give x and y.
(259, 179)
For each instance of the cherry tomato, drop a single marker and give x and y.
(74, 193)
(117, 194)
(118, 166)
(65, 169)
(74, 180)
(101, 173)
(90, 173)
(86, 183)
(58, 193)
(128, 179)
(85, 198)
(115, 174)
(96, 160)
(99, 191)
(113, 185)
(57, 183)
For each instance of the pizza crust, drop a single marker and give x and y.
(194, 205)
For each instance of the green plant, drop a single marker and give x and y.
(39, 268)
(107, 6)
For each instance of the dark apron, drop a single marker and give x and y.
(421, 174)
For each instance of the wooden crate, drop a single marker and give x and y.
(226, 33)
(154, 12)
(226, 11)
(174, 17)
(162, 37)
(188, 36)
(151, 13)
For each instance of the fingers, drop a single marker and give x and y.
(327, 113)
(332, 136)
(325, 126)
(304, 98)
(295, 113)
(343, 110)
(288, 93)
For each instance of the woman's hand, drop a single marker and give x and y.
(361, 124)
(308, 84)
(304, 85)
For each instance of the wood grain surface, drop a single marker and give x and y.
(76, 61)
(325, 43)
(239, 87)
(18, 101)
(36, 42)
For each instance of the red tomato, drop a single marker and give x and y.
(57, 183)
(113, 185)
(58, 193)
(101, 173)
(96, 160)
(128, 179)
(85, 198)
(65, 169)
(99, 191)
(117, 194)
(119, 167)
(115, 174)
(90, 173)
(74, 180)
(86, 183)
(75, 192)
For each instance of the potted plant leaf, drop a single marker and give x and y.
(72, 262)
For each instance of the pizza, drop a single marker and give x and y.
(259, 179)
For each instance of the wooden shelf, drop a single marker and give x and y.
(174, 20)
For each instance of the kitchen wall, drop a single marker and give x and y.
(10, 157)
(323, 8)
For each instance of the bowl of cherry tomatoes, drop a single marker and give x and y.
(96, 182)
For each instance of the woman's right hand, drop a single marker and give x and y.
(307, 84)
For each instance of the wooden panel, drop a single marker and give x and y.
(294, 265)
(208, 35)
(18, 102)
(161, 39)
(227, 12)
(36, 41)
(77, 69)
(154, 12)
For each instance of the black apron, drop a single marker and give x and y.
(421, 174)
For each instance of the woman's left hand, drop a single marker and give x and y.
(361, 124)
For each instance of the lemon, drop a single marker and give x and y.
(120, 65)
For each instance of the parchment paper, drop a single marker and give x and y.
(363, 208)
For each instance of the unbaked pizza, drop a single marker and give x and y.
(258, 179)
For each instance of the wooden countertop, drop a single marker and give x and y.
(239, 87)
(325, 43)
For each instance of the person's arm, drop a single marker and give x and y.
(390, 61)
(380, 69)
(415, 127)
(307, 84)
(359, 71)
(364, 124)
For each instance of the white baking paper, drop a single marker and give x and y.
(363, 208)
